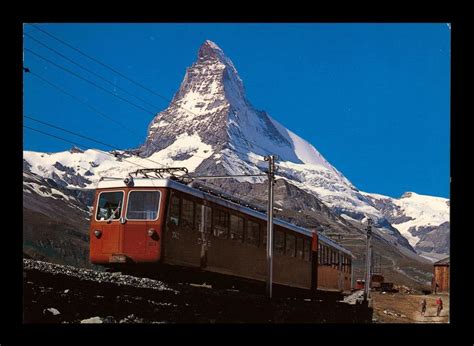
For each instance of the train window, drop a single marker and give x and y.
(198, 218)
(221, 224)
(299, 247)
(279, 242)
(290, 245)
(174, 210)
(253, 232)
(143, 205)
(187, 213)
(306, 250)
(109, 206)
(264, 237)
(236, 227)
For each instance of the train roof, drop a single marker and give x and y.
(107, 183)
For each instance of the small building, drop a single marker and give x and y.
(376, 281)
(440, 281)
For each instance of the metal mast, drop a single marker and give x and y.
(271, 182)
(368, 259)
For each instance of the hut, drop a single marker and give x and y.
(440, 282)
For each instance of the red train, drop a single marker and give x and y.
(154, 220)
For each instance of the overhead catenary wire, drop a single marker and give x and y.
(89, 138)
(89, 70)
(88, 81)
(80, 146)
(99, 112)
(84, 147)
(97, 61)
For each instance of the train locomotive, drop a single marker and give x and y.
(157, 220)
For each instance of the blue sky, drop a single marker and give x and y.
(374, 99)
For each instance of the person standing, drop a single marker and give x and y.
(439, 303)
(423, 307)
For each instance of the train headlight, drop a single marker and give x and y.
(151, 232)
(97, 233)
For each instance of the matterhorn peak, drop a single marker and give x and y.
(210, 50)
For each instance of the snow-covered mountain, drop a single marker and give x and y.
(211, 127)
(423, 220)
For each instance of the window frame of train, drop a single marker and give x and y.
(307, 250)
(256, 241)
(240, 237)
(117, 214)
(299, 244)
(130, 198)
(222, 233)
(171, 217)
(290, 237)
(279, 242)
(184, 221)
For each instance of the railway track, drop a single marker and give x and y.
(63, 294)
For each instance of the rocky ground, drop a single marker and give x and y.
(64, 294)
(405, 308)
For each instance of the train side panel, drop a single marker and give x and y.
(220, 243)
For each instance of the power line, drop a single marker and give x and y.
(91, 107)
(88, 70)
(71, 132)
(83, 102)
(88, 138)
(98, 61)
(80, 146)
(88, 81)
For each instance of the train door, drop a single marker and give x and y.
(106, 228)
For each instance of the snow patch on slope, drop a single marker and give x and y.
(424, 210)
(98, 165)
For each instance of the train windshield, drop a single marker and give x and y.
(109, 206)
(143, 205)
